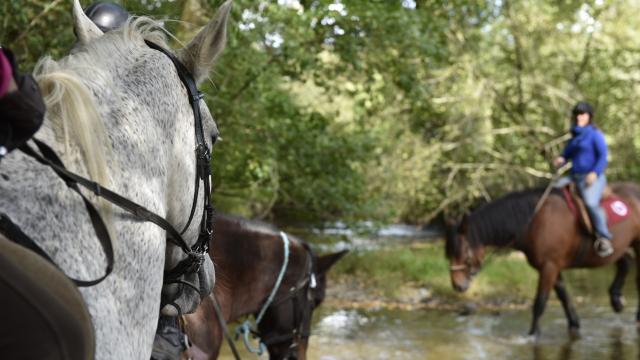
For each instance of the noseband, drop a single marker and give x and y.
(195, 254)
(461, 267)
(467, 265)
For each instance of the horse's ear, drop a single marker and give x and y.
(325, 262)
(200, 54)
(85, 29)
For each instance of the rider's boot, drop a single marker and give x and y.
(603, 246)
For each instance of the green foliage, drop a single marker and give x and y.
(28, 28)
(374, 109)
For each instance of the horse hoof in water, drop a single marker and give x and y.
(617, 303)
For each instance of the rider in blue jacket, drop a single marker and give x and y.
(587, 151)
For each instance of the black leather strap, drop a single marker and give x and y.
(224, 327)
(301, 307)
(50, 159)
(189, 83)
(203, 155)
(14, 233)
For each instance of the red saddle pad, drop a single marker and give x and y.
(616, 209)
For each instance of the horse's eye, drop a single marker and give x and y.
(214, 138)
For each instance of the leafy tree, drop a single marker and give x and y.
(391, 110)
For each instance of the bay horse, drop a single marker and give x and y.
(118, 113)
(552, 240)
(248, 256)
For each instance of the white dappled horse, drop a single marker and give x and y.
(117, 113)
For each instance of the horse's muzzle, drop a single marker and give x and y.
(184, 296)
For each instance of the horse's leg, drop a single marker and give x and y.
(567, 305)
(615, 290)
(636, 249)
(546, 280)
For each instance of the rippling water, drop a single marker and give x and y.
(431, 334)
(440, 335)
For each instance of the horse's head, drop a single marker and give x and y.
(161, 121)
(465, 259)
(286, 326)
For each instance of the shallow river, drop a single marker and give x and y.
(440, 335)
(444, 334)
(431, 334)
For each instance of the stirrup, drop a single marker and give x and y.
(603, 247)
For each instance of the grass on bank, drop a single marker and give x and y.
(385, 272)
(504, 278)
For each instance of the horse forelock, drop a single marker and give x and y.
(452, 244)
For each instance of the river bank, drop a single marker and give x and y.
(416, 276)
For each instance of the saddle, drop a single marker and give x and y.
(616, 209)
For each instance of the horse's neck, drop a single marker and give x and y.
(248, 297)
(492, 236)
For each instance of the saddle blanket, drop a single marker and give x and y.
(616, 209)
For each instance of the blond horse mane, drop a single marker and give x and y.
(71, 108)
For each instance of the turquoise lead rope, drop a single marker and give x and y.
(246, 328)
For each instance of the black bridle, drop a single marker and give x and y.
(195, 254)
(301, 296)
(468, 265)
(302, 306)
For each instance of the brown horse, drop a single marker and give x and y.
(248, 256)
(552, 240)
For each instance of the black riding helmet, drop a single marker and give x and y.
(106, 15)
(582, 107)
